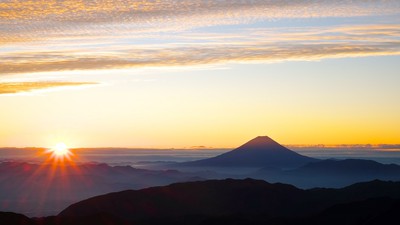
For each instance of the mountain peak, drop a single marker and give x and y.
(261, 140)
(263, 143)
(261, 151)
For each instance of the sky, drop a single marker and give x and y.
(174, 74)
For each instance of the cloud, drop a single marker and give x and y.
(208, 55)
(28, 20)
(18, 87)
(251, 45)
(52, 35)
(106, 11)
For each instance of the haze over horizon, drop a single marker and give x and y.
(175, 74)
(139, 157)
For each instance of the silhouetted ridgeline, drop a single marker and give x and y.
(331, 173)
(233, 202)
(42, 190)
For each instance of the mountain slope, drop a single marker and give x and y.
(373, 211)
(259, 152)
(14, 219)
(212, 197)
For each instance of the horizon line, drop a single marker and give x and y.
(364, 146)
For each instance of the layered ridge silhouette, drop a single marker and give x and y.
(232, 201)
(230, 198)
(331, 173)
(41, 190)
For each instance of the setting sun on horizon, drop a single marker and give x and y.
(60, 152)
(60, 149)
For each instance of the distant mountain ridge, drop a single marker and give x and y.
(261, 151)
(22, 188)
(332, 173)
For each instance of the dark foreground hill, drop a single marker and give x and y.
(14, 218)
(259, 152)
(234, 202)
(374, 211)
(224, 198)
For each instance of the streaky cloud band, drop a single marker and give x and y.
(29, 20)
(19, 87)
(252, 45)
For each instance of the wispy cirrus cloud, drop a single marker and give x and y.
(106, 11)
(18, 87)
(184, 50)
(51, 36)
(26, 20)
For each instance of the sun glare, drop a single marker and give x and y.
(60, 149)
(60, 152)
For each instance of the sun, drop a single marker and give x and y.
(61, 149)
(60, 152)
